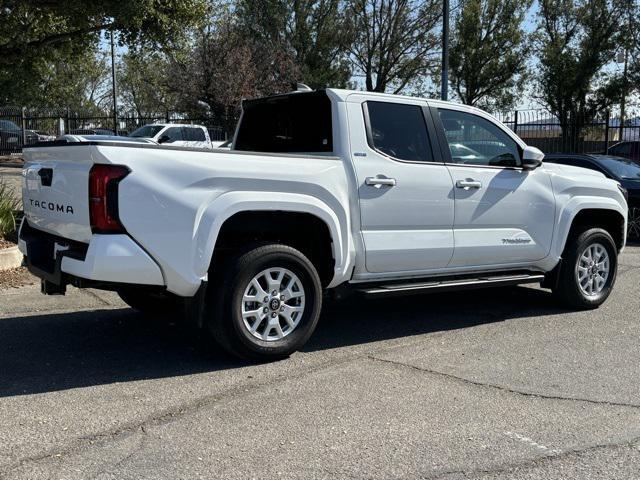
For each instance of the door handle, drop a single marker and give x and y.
(380, 181)
(467, 184)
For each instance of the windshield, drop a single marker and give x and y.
(621, 167)
(148, 131)
(9, 125)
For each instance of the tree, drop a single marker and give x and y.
(144, 82)
(223, 66)
(488, 52)
(315, 33)
(394, 41)
(41, 39)
(576, 39)
(79, 82)
(36, 27)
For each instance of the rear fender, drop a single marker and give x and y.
(211, 219)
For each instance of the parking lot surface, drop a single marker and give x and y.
(492, 384)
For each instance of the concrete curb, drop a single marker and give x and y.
(10, 258)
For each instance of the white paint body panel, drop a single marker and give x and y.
(174, 202)
(510, 217)
(108, 256)
(408, 226)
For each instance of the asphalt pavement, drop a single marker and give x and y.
(490, 384)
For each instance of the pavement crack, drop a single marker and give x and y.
(493, 386)
(533, 462)
(166, 416)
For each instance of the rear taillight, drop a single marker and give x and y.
(103, 197)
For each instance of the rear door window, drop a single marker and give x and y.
(398, 130)
(193, 134)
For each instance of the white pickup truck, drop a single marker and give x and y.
(329, 190)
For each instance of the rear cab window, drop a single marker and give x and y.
(293, 123)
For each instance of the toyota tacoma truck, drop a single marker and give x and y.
(323, 191)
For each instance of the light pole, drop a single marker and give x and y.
(113, 86)
(444, 92)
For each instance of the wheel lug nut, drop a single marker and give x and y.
(282, 297)
(273, 315)
(265, 310)
(274, 293)
(266, 299)
(282, 308)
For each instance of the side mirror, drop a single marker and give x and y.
(531, 158)
(164, 139)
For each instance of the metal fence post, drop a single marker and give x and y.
(606, 132)
(515, 123)
(67, 125)
(23, 121)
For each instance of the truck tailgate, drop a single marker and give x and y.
(55, 187)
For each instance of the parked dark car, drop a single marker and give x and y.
(11, 136)
(623, 170)
(91, 131)
(627, 149)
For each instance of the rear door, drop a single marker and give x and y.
(405, 191)
(503, 214)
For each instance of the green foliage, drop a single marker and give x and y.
(144, 84)
(315, 33)
(37, 27)
(9, 205)
(489, 52)
(48, 49)
(576, 39)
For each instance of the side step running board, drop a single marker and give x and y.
(451, 284)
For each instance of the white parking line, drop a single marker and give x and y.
(532, 443)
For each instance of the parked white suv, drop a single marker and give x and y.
(177, 135)
(377, 194)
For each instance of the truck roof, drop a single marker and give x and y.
(342, 94)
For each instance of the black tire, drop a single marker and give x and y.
(568, 288)
(225, 301)
(152, 304)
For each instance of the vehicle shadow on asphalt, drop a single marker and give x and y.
(359, 320)
(51, 352)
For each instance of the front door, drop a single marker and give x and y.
(405, 191)
(503, 213)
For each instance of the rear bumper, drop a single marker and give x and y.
(106, 260)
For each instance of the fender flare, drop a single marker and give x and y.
(211, 218)
(572, 208)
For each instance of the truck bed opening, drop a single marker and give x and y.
(293, 123)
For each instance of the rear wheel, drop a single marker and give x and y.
(265, 305)
(588, 270)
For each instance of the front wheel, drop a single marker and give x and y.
(588, 270)
(265, 305)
